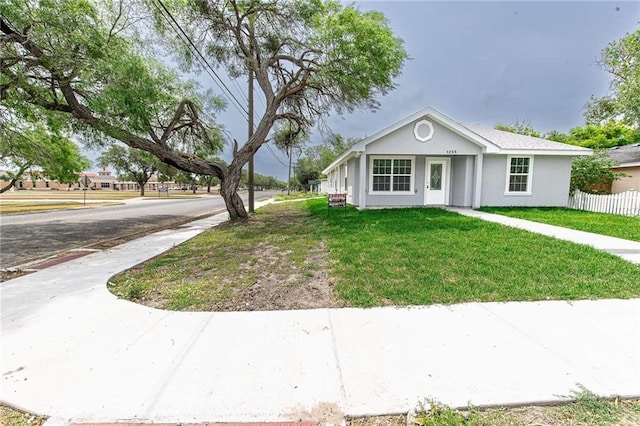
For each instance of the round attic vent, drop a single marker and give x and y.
(423, 130)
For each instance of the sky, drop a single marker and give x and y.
(483, 63)
(477, 62)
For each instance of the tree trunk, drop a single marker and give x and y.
(229, 192)
(11, 184)
(142, 190)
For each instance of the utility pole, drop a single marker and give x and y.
(250, 183)
(290, 153)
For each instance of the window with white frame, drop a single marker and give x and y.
(389, 174)
(519, 170)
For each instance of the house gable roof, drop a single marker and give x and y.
(492, 141)
(515, 141)
(626, 155)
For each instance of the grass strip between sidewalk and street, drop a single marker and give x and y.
(613, 225)
(415, 256)
(17, 207)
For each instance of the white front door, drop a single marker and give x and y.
(436, 182)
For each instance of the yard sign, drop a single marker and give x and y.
(338, 200)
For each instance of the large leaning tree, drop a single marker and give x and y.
(78, 59)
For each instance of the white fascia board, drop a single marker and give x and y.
(559, 152)
(346, 156)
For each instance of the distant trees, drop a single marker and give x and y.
(520, 127)
(316, 158)
(131, 164)
(35, 148)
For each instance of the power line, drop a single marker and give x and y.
(175, 26)
(274, 154)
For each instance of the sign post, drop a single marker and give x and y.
(337, 200)
(85, 182)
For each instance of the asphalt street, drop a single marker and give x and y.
(26, 237)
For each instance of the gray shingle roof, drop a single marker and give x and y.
(508, 140)
(625, 154)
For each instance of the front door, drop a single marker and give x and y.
(436, 182)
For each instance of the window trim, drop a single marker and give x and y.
(528, 192)
(411, 190)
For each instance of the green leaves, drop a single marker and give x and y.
(360, 56)
(622, 60)
(590, 172)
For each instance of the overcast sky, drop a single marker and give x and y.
(480, 63)
(484, 63)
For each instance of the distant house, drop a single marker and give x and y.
(628, 159)
(429, 159)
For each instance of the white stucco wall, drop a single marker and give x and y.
(549, 187)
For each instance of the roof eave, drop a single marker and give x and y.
(556, 152)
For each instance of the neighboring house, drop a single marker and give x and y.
(628, 159)
(428, 159)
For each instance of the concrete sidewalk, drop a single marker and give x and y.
(626, 249)
(72, 350)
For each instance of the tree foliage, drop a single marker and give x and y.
(131, 164)
(309, 57)
(601, 136)
(622, 60)
(318, 157)
(519, 127)
(37, 148)
(74, 67)
(77, 63)
(590, 173)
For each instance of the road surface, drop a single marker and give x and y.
(26, 237)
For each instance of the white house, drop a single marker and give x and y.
(428, 159)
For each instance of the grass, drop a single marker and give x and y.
(220, 264)
(586, 408)
(613, 225)
(298, 195)
(382, 257)
(12, 417)
(15, 207)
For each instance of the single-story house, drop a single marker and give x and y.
(428, 159)
(627, 158)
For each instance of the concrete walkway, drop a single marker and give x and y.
(72, 350)
(626, 249)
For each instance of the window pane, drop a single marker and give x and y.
(382, 183)
(518, 183)
(435, 176)
(381, 167)
(402, 167)
(402, 183)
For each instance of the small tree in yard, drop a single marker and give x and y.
(589, 173)
(131, 164)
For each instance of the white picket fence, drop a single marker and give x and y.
(625, 203)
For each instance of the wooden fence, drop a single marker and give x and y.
(625, 203)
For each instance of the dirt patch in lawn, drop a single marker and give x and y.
(282, 285)
(273, 261)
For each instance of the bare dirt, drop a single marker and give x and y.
(283, 286)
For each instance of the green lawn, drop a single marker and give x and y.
(378, 257)
(614, 225)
